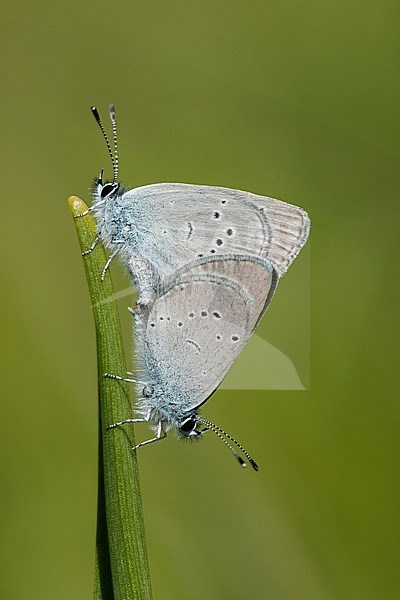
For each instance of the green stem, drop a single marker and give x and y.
(120, 544)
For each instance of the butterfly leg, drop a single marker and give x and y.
(92, 247)
(104, 271)
(160, 436)
(84, 213)
(141, 420)
(113, 255)
(119, 378)
(134, 310)
(90, 209)
(137, 420)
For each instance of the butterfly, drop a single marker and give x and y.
(206, 261)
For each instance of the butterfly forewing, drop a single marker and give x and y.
(194, 221)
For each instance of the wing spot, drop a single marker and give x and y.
(194, 344)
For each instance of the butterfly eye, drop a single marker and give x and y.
(188, 424)
(148, 391)
(108, 189)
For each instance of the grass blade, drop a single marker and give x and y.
(121, 543)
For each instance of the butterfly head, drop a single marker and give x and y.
(187, 427)
(104, 191)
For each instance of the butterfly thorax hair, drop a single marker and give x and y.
(116, 225)
(155, 404)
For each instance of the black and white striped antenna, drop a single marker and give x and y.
(114, 160)
(220, 433)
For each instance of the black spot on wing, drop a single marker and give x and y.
(193, 344)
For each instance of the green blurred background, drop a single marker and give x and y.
(297, 100)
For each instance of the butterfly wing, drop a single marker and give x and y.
(254, 275)
(196, 327)
(194, 221)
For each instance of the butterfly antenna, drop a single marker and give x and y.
(235, 454)
(114, 130)
(218, 431)
(100, 124)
